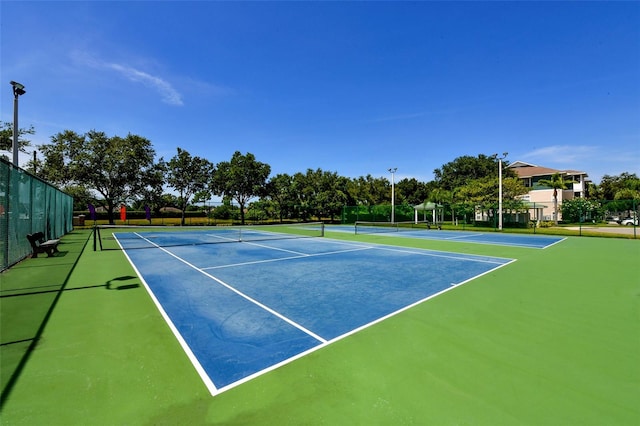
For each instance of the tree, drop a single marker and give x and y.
(188, 176)
(304, 193)
(152, 194)
(556, 182)
(621, 192)
(480, 192)
(116, 167)
(279, 191)
(611, 185)
(328, 193)
(594, 191)
(411, 191)
(242, 178)
(82, 197)
(627, 194)
(580, 210)
(319, 193)
(513, 188)
(484, 193)
(463, 169)
(440, 196)
(443, 197)
(369, 191)
(6, 137)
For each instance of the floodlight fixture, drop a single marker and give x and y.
(18, 89)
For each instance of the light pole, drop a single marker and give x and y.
(18, 89)
(504, 155)
(393, 193)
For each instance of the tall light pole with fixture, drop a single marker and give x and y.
(504, 155)
(18, 89)
(393, 194)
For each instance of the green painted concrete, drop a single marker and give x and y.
(552, 339)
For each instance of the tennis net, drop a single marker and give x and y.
(363, 227)
(117, 237)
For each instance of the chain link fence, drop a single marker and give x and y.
(604, 217)
(28, 205)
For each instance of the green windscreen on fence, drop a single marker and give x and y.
(375, 213)
(28, 205)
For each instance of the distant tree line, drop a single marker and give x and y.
(108, 171)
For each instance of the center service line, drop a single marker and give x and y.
(239, 293)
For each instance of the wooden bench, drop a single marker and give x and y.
(39, 245)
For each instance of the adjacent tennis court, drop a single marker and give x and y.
(419, 230)
(243, 309)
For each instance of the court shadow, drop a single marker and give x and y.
(58, 253)
(127, 287)
(29, 294)
(111, 283)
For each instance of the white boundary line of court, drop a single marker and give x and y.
(553, 244)
(468, 238)
(213, 389)
(425, 252)
(464, 238)
(301, 256)
(354, 331)
(241, 294)
(185, 346)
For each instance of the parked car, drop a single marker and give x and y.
(612, 219)
(630, 221)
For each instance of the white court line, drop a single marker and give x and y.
(183, 343)
(276, 248)
(470, 238)
(323, 342)
(239, 293)
(354, 331)
(553, 244)
(427, 252)
(470, 258)
(255, 262)
(220, 237)
(461, 237)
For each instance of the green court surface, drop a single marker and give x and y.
(551, 339)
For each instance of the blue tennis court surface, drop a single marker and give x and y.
(244, 308)
(495, 238)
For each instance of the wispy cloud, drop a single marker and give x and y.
(169, 95)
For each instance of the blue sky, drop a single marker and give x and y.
(349, 87)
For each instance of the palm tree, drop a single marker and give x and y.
(556, 182)
(442, 196)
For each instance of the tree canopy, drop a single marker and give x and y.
(242, 178)
(6, 137)
(118, 168)
(108, 170)
(466, 168)
(188, 176)
(625, 185)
